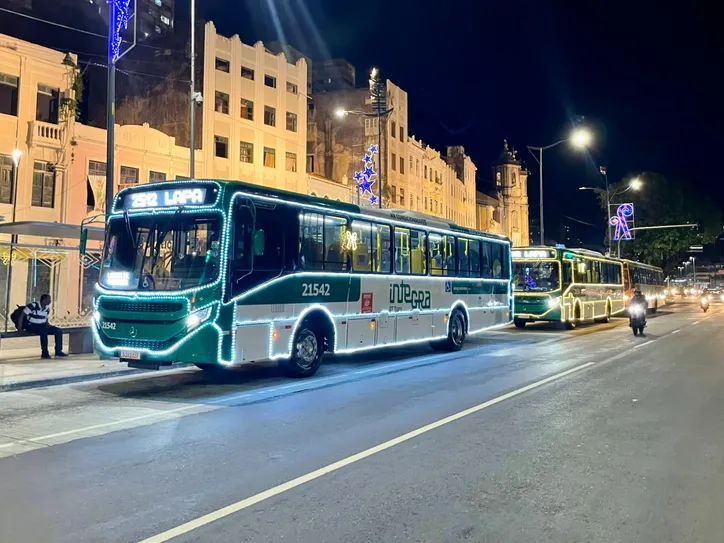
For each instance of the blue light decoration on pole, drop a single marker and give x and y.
(364, 177)
(620, 221)
(119, 15)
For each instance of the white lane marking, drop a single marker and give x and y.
(695, 322)
(265, 495)
(676, 331)
(644, 344)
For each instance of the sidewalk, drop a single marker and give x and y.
(21, 366)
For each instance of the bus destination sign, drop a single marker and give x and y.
(165, 198)
(533, 253)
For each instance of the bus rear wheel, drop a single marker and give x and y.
(307, 353)
(519, 323)
(456, 332)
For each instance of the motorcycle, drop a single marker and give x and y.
(705, 304)
(637, 318)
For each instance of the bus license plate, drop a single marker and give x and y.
(130, 355)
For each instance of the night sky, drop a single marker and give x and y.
(645, 77)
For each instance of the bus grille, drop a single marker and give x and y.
(141, 307)
(127, 343)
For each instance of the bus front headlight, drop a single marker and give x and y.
(197, 318)
(552, 302)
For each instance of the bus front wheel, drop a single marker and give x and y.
(307, 352)
(519, 323)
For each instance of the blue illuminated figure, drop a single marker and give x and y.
(364, 177)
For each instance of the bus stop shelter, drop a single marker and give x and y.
(44, 257)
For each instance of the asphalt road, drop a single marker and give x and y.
(534, 435)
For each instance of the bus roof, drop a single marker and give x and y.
(399, 215)
(641, 264)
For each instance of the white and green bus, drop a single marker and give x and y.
(569, 286)
(225, 273)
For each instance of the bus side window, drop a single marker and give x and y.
(474, 255)
(362, 260)
(464, 257)
(442, 254)
(498, 255)
(487, 254)
(382, 248)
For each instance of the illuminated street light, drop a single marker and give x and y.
(580, 138)
(339, 112)
(636, 183)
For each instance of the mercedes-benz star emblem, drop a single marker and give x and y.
(133, 332)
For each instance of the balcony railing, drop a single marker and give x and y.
(46, 134)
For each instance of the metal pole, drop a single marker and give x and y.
(13, 242)
(540, 177)
(110, 108)
(693, 268)
(192, 123)
(608, 212)
(379, 138)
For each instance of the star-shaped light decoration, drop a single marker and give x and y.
(364, 177)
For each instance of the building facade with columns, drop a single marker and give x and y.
(415, 176)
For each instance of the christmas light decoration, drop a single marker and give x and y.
(364, 178)
(624, 212)
(121, 15)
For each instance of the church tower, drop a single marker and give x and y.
(511, 182)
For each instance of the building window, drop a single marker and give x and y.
(221, 145)
(6, 179)
(402, 164)
(246, 152)
(394, 161)
(425, 172)
(418, 203)
(371, 126)
(165, 20)
(221, 103)
(291, 121)
(222, 65)
(394, 194)
(402, 197)
(292, 87)
(156, 177)
(96, 168)
(270, 157)
(158, 3)
(393, 130)
(247, 109)
(270, 81)
(47, 105)
(182, 178)
(43, 185)
(129, 176)
(247, 73)
(9, 95)
(310, 163)
(402, 134)
(270, 116)
(291, 162)
(417, 166)
(425, 203)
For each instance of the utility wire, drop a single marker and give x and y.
(66, 27)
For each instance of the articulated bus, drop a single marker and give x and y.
(566, 285)
(649, 279)
(224, 273)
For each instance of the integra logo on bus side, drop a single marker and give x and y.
(404, 294)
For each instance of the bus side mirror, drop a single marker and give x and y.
(83, 240)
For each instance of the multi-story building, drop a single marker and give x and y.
(293, 55)
(255, 118)
(415, 176)
(332, 75)
(507, 212)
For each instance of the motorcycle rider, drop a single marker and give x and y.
(639, 298)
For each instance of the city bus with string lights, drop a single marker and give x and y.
(646, 278)
(220, 274)
(568, 286)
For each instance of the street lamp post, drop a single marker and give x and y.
(693, 268)
(580, 138)
(16, 154)
(635, 184)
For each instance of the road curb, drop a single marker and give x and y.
(53, 381)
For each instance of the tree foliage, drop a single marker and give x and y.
(662, 201)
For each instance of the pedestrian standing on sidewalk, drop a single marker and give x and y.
(34, 320)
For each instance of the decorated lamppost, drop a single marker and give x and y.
(119, 15)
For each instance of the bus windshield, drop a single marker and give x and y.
(163, 252)
(535, 276)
